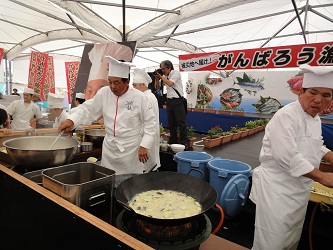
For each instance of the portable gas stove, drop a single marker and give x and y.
(186, 234)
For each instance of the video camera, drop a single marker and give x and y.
(159, 71)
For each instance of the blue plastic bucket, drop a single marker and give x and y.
(188, 160)
(221, 171)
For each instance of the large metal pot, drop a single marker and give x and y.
(95, 136)
(32, 152)
(204, 193)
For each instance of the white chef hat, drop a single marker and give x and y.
(140, 76)
(28, 91)
(55, 101)
(117, 68)
(316, 77)
(80, 95)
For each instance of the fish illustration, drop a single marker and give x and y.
(249, 84)
(267, 105)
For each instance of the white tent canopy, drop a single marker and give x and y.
(162, 29)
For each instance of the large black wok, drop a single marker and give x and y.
(202, 191)
(33, 152)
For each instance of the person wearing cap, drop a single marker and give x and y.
(290, 156)
(127, 113)
(36, 98)
(141, 79)
(5, 127)
(56, 108)
(24, 112)
(79, 99)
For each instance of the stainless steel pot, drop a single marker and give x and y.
(32, 152)
(86, 146)
(96, 136)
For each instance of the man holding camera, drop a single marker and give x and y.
(175, 109)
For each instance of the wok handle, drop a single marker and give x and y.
(97, 199)
(198, 170)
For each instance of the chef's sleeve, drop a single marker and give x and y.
(149, 123)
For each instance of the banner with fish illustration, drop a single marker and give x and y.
(261, 58)
(255, 91)
(37, 71)
(1, 54)
(72, 69)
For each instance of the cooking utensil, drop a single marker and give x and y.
(32, 152)
(55, 141)
(204, 193)
(95, 136)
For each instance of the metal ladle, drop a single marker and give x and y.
(55, 141)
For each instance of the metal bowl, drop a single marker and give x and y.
(96, 136)
(32, 151)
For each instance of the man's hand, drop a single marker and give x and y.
(67, 125)
(143, 154)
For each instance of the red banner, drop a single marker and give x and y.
(37, 71)
(1, 54)
(49, 83)
(72, 69)
(314, 54)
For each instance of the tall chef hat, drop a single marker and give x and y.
(316, 77)
(55, 101)
(140, 76)
(117, 68)
(28, 91)
(79, 95)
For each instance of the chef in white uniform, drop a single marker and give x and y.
(56, 108)
(290, 156)
(24, 111)
(126, 112)
(141, 79)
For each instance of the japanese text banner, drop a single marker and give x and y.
(72, 69)
(1, 53)
(275, 57)
(49, 83)
(37, 70)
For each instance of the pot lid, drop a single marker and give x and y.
(234, 195)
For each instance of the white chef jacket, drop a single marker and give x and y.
(154, 151)
(176, 78)
(22, 114)
(124, 117)
(63, 116)
(292, 146)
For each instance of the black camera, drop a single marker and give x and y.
(159, 71)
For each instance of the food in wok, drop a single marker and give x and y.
(204, 96)
(165, 204)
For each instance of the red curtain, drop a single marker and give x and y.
(72, 69)
(1, 53)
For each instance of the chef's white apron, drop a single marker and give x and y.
(286, 201)
(121, 155)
